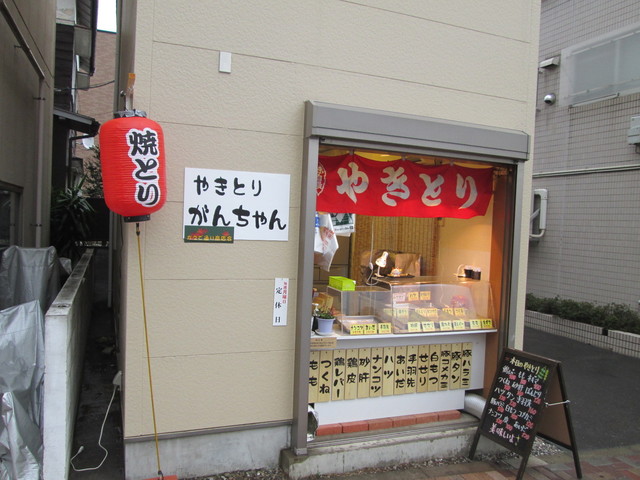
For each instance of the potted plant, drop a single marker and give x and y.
(71, 220)
(325, 318)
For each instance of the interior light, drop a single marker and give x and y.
(381, 262)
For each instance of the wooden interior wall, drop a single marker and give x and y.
(398, 234)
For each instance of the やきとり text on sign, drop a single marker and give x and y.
(354, 184)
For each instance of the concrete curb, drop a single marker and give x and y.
(614, 340)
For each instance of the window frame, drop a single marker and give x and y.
(582, 63)
(354, 127)
(15, 200)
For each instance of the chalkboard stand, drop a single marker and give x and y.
(523, 387)
(551, 426)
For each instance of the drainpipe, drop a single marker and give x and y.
(40, 165)
(4, 9)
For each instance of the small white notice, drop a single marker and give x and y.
(280, 301)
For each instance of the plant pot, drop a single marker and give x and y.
(325, 325)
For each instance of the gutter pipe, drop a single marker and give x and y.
(588, 170)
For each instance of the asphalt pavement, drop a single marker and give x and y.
(603, 388)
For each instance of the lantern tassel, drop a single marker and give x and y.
(146, 339)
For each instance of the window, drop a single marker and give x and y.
(437, 245)
(601, 68)
(9, 207)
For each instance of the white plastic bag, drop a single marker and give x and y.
(326, 241)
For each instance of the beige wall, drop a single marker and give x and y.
(20, 110)
(468, 240)
(216, 359)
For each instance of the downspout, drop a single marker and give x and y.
(40, 165)
(41, 116)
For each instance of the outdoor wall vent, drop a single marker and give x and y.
(633, 136)
(550, 62)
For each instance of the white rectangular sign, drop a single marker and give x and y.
(255, 205)
(280, 302)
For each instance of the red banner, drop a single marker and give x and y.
(354, 184)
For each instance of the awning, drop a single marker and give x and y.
(77, 122)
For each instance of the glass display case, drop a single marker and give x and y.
(426, 305)
(357, 310)
(413, 305)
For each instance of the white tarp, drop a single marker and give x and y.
(21, 385)
(28, 274)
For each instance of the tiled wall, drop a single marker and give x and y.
(589, 251)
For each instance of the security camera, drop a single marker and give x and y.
(550, 98)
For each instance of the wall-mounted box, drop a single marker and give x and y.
(633, 136)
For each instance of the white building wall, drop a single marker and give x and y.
(217, 361)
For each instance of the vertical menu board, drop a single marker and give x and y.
(338, 386)
(351, 374)
(348, 374)
(377, 365)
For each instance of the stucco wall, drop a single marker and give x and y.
(217, 361)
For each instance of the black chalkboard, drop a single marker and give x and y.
(516, 403)
(517, 399)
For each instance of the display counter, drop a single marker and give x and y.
(403, 346)
(410, 306)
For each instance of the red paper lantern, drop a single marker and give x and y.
(133, 165)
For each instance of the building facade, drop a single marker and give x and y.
(26, 116)
(258, 95)
(587, 164)
(47, 57)
(98, 101)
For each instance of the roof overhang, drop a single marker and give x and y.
(77, 122)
